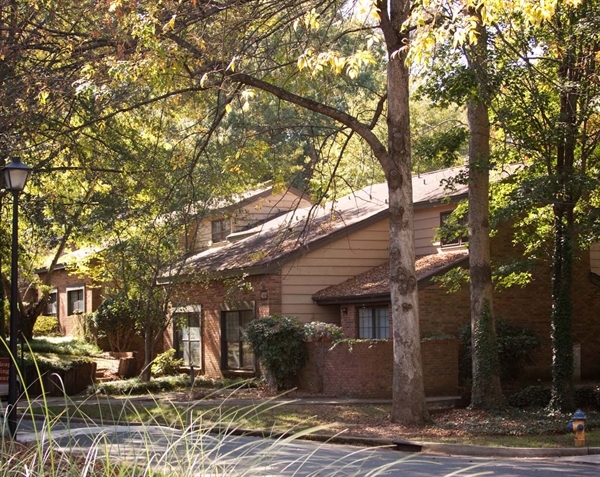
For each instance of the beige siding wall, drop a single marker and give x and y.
(329, 265)
(252, 213)
(345, 258)
(267, 207)
(595, 258)
(426, 223)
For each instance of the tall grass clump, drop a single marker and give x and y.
(62, 437)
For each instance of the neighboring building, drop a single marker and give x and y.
(73, 295)
(329, 264)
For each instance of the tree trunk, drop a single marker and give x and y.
(146, 373)
(562, 311)
(565, 197)
(486, 392)
(408, 405)
(408, 401)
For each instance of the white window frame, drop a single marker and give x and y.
(74, 289)
(187, 310)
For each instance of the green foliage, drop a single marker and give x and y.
(516, 345)
(46, 326)
(484, 352)
(166, 364)
(135, 386)
(319, 331)
(117, 319)
(86, 327)
(278, 342)
(50, 361)
(531, 396)
(512, 273)
(440, 149)
(453, 280)
(586, 397)
(67, 346)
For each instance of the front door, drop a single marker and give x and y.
(236, 354)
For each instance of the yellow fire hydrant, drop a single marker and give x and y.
(577, 426)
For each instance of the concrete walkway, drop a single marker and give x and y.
(579, 455)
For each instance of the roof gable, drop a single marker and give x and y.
(375, 283)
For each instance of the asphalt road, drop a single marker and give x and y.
(197, 453)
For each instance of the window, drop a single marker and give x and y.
(235, 352)
(189, 338)
(52, 304)
(373, 322)
(75, 301)
(453, 231)
(220, 229)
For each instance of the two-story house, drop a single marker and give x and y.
(329, 263)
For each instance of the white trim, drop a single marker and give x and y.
(84, 298)
(188, 309)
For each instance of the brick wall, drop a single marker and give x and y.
(364, 369)
(62, 280)
(529, 306)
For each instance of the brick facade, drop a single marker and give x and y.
(262, 293)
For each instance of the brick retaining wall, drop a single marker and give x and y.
(363, 369)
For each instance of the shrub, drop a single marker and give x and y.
(278, 342)
(137, 386)
(72, 347)
(166, 364)
(46, 326)
(531, 396)
(319, 331)
(86, 327)
(516, 345)
(116, 319)
(587, 397)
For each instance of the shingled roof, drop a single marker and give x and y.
(374, 284)
(271, 244)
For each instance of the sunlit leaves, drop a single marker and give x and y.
(351, 65)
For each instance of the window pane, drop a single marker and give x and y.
(195, 353)
(51, 308)
(75, 303)
(248, 356)
(382, 323)
(232, 323)
(365, 323)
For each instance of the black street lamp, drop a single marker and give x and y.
(15, 177)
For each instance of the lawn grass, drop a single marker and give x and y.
(516, 428)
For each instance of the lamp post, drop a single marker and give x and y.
(15, 177)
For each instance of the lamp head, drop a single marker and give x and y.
(16, 174)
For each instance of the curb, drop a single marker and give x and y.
(517, 452)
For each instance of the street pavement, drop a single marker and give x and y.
(191, 452)
(196, 452)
